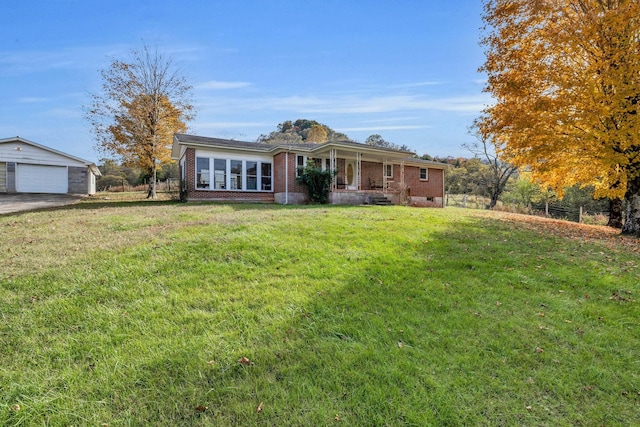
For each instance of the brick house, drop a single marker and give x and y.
(228, 170)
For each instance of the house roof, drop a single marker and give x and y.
(193, 140)
(259, 147)
(87, 163)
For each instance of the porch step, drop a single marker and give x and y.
(380, 200)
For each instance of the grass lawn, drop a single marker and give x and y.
(160, 313)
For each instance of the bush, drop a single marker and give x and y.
(317, 181)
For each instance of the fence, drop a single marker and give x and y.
(556, 209)
(170, 185)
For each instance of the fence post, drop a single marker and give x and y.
(546, 208)
(580, 217)
(464, 201)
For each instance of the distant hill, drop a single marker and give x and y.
(302, 130)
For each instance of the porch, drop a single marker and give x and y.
(365, 197)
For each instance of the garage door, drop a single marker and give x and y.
(3, 177)
(41, 179)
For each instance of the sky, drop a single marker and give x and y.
(404, 69)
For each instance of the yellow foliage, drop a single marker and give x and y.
(565, 75)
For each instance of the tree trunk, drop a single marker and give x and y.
(152, 183)
(615, 213)
(631, 226)
(493, 202)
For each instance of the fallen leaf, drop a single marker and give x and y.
(211, 362)
(15, 408)
(201, 408)
(498, 303)
(336, 418)
(541, 314)
(539, 350)
(529, 408)
(244, 361)
(260, 407)
(400, 344)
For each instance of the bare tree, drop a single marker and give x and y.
(499, 171)
(143, 102)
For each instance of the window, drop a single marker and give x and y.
(388, 171)
(252, 175)
(266, 176)
(300, 163)
(424, 174)
(202, 172)
(219, 174)
(236, 175)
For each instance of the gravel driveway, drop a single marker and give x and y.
(25, 202)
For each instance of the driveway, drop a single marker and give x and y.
(26, 202)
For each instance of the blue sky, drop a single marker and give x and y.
(405, 69)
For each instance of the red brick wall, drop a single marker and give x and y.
(279, 169)
(431, 188)
(371, 172)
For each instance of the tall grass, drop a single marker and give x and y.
(168, 314)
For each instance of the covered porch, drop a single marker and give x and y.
(364, 174)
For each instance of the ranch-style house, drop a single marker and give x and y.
(228, 170)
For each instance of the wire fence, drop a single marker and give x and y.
(554, 209)
(169, 185)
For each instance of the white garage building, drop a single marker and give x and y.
(27, 167)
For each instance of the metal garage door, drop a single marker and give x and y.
(3, 177)
(41, 179)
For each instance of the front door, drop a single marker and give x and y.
(351, 175)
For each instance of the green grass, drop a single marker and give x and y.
(138, 313)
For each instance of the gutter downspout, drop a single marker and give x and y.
(443, 195)
(286, 174)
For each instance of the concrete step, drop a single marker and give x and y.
(380, 200)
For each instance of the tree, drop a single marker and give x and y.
(565, 75)
(498, 172)
(143, 102)
(317, 133)
(379, 141)
(114, 174)
(302, 130)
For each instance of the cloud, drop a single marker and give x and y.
(415, 84)
(381, 128)
(218, 85)
(31, 100)
(65, 113)
(226, 125)
(375, 104)
(39, 61)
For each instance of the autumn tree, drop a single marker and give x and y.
(317, 133)
(565, 76)
(143, 102)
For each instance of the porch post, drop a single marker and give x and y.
(384, 174)
(332, 165)
(403, 195)
(359, 169)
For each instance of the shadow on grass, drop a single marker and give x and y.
(444, 329)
